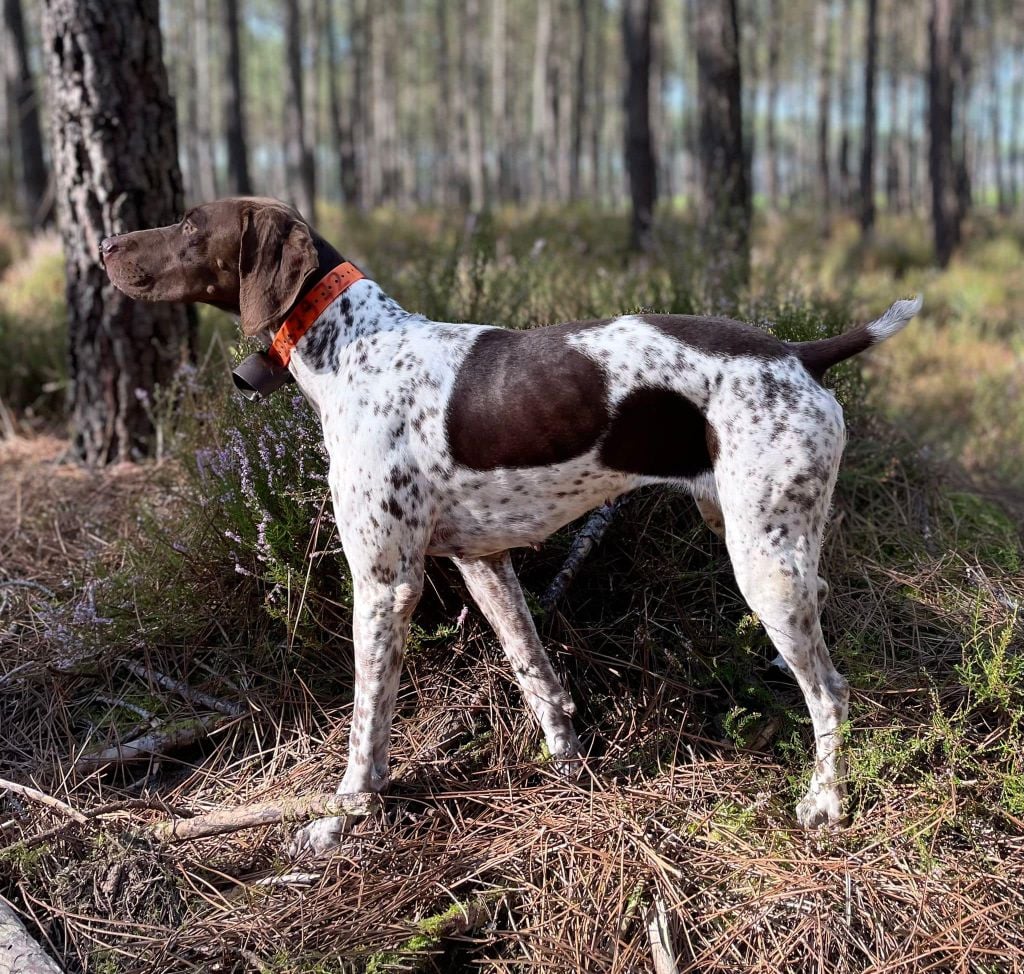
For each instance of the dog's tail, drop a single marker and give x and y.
(818, 357)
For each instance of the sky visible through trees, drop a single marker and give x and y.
(469, 102)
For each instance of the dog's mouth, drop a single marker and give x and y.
(127, 276)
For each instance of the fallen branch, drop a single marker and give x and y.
(19, 953)
(195, 697)
(587, 538)
(34, 794)
(663, 957)
(165, 738)
(272, 813)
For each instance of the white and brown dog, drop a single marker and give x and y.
(466, 441)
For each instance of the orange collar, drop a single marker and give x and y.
(306, 312)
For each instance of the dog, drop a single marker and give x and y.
(465, 441)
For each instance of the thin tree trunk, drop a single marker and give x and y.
(105, 61)
(540, 119)
(581, 100)
(962, 44)
(500, 108)
(360, 28)
(597, 85)
(771, 147)
(298, 156)
(893, 191)
(471, 104)
(823, 55)
(637, 17)
(1016, 106)
(205, 185)
(867, 154)
(846, 193)
(1002, 191)
(36, 200)
(945, 205)
(725, 189)
(234, 102)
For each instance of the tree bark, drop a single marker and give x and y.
(963, 41)
(867, 152)
(540, 118)
(36, 201)
(105, 62)
(845, 174)
(725, 187)
(823, 55)
(206, 185)
(637, 17)
(1002, 192)
(945, 205)
(239, 181)
(771, 148)
(581, 101)
(298, 156)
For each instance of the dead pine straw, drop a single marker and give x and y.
(479, 858)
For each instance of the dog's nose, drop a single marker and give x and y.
(107, 246)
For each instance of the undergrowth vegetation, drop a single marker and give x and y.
(224, 573)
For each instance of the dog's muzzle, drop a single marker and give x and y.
(257, 376)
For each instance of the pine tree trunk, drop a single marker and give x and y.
(1002, 192)
(206, 184)
(771, 147)
(234, 103)
(298, 156)
(105, 61)
(893, 191)
(867, 153)
(581, 99)
(637, 16)
(845, 113)
(823, 55)
(962, 45)
(500, 108)
(725, 188)
(36, 201)
(945, 205)
(540, 124)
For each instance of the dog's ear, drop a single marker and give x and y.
(276, 256)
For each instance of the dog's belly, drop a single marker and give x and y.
(483, 513)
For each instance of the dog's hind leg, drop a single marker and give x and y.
(496, 590)
(774, 521)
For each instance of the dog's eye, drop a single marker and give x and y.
(188, 226)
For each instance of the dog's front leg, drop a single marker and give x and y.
(386, 561)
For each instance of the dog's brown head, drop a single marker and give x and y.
(247, 255)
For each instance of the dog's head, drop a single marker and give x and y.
(246, 255)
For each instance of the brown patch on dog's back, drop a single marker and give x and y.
(719, 336)
(525, 399)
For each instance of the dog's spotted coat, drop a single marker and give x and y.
(466, 441)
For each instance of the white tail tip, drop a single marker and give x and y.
(895, 318)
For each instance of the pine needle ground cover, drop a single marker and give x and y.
(218, 569)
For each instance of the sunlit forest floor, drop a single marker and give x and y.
(481, 857)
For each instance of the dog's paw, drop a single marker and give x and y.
(320, 837)
(820, 807)
(567, 755)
